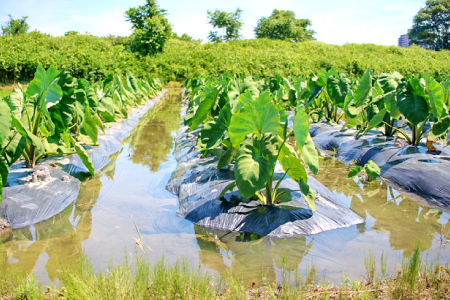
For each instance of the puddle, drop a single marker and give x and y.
(133, 184)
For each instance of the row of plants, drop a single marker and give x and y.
(93, 58)
(244, 121)
(388, 102)
(56, 114)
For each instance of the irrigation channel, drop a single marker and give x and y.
(131, 190)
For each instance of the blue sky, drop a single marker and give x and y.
(335, 21)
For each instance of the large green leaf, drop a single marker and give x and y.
(89, 126)
(255, 163)
(45, 84)
(239, 103)
(106, 109)
(80, 104)
(238, 87)
(301, 127)
(389, 82)
(435, 96)
(204, 108)
(84, 157)
(16, 101)
(5, 120)
(314, 91)
(259, 117)
(215, 130)
(412, 102)
(309, 155)
(377, 119)
(338, 89)
(92, 98)
(292, 164)
(363, 90)
(390, 103)
(227, 158)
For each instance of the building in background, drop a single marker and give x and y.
(403, 40)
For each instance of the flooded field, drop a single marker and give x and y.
(129, 195)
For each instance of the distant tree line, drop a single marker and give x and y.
(151, 28)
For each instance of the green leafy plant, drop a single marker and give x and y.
(56, 113)
(282, 25)
(6, 141)
(229, 23)
(151, 28)
(250, 128)
(15, 26)
(371, 168)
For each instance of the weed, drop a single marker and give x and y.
(369, 263)
(411, 267)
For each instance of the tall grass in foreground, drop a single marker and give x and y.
(416, 280)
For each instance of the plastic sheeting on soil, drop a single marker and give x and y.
(34, 195)
(198, 184)
(39, 197)
(423, 175)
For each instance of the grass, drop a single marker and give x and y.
(416, 280)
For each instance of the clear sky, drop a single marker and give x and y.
(335, 21)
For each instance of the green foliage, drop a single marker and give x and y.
(138, 16)
(371, 169)
(93, 58)
(15, 26)
(373, 101)
(282, 25)
(264, 58)
(244, 122)
(56, 113)
(432, 25)
(184, 37)
(228, 23)
(151, 28)
(82, 55)
(254, 163)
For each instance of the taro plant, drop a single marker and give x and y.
(5, 141)
(420, 101)
(373, 103)
(247, 127)
(34, 120)
(371, 168)
(323, 94)
(259, 133)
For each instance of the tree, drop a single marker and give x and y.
(151, 28)
(185, 37)
(229, 23)
(282, 25)
(432, 25)
(15, 26)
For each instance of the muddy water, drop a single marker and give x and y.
(130, 192)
